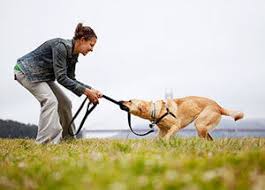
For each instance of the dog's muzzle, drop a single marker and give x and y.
(123, 107)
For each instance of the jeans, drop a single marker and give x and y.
(55, 114)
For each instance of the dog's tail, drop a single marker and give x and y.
(235, 114)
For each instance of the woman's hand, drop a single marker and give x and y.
(93, 95)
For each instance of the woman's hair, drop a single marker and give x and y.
(84, 32)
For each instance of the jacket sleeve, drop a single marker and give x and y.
(60, 70)
(71, 75)
(87, 86)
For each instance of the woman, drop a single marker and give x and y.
(55, 60)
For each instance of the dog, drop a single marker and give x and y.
(205, 113)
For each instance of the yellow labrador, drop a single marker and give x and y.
(205, 112)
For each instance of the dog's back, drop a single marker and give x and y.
(203, 102)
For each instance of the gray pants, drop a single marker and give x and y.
(55, 114)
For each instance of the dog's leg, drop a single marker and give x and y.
(206, 120)
(162, 133)
(203, 133)
(173, 129)
(171, 132)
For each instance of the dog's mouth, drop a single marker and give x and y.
(123, 106)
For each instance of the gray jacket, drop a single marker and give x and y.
(54, 59)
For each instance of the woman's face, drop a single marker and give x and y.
(86, 46)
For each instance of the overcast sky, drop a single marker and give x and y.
(212, 48)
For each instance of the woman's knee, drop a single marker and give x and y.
(50, 101)
(68, 103)
(65, 104)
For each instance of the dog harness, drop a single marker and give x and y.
(153, 114)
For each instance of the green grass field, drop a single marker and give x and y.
(184, 163)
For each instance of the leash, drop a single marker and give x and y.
(129, 123)
(89, 109)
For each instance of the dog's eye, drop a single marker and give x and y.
(130, 101)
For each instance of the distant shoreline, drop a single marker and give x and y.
(189, 129)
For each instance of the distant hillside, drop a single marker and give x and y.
(225, 124)
(226, 128)
(14, 129)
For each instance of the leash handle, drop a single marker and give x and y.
(88, 111)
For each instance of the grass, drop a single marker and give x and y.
(184, 163)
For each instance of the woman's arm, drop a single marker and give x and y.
(60, 70)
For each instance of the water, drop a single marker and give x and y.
(126, 134)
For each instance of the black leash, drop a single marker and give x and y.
(90, 109)
(129, 123)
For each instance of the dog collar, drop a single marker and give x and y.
(153, 111)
